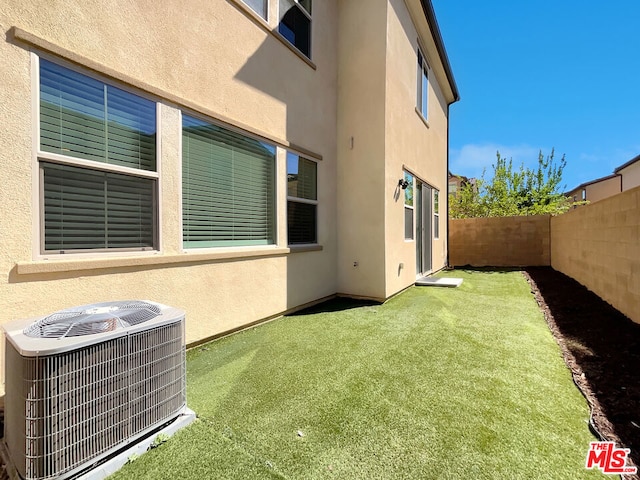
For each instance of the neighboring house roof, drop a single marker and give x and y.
(616, 173)
(462, 178)
(591, 182)
(628, 164)
(427, 7)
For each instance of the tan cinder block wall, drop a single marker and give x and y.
(500, 241)
(599, 246)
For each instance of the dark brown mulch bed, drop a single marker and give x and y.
(601, 346)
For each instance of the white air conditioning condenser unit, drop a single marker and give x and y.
(83, 383)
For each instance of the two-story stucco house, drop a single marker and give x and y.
(630, 173)
(236, 159)
(625, 177)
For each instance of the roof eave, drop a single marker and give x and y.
(430, 14)
(625, 165)
(597, 180)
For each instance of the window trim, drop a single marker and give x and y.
(266, 13)
(409, 207)
(422, 69)
(301, 200)
(39, 157)
(286, 40)
(64, 56)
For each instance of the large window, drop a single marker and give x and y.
(302, 200)
(258, 6)
(423, 85)
(295, 24)
(228, 187)
(97, 159)
(408, 207)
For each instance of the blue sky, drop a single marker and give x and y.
(543, 74)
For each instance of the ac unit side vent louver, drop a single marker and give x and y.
(71, 402)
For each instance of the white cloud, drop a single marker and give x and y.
(471, 159)
(612, 159)
(597, 163)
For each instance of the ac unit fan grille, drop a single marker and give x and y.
(81, 404)
(93, 318)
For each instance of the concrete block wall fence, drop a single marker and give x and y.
(499, 241)
(597, 245)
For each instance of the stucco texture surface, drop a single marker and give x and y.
(174, 54)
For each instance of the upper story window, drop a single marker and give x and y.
(302, 200)
(97, 161)
(258, 6)
(228, 187)
(295, 24)
(408, 207)
(423, 85)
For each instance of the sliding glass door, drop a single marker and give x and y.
(424, 209)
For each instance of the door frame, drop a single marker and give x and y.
(424, 228)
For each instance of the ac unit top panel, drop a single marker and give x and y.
(86, 325)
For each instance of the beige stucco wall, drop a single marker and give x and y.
(378, 140)
(360, 178)
(216, 58)
(208, 56)
(500, 241)
(410, 143)
(598, 190)
(599, 246)
(604, 189)
(630, 176)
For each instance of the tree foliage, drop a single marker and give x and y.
(513, 191)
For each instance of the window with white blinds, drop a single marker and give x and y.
(228, 187)
(93, 209)
(110, 201)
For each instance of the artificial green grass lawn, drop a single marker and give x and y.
(436, 383)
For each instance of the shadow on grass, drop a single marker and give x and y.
(605, 346)
(337, 304)
(472, 269)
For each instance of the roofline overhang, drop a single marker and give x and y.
(597, 180)
(430, 14)
(625, 165)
